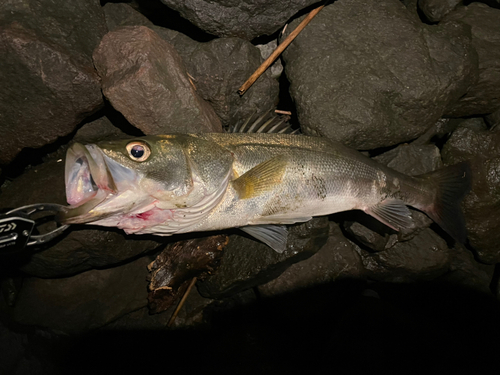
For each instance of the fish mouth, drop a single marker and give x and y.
(89, 182)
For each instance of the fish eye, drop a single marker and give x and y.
(138, 151)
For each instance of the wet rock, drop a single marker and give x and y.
(389, 83)
(337, 259)
(482, 205)
(435, 10)
(83, 302)
(180, 262)
(120, 14)
(248, 263)
(47, 81)
(218, 68)
(79, 249)
(425, 257)
(246, 20)
(483, 97)
(411, 159)
(144, 78)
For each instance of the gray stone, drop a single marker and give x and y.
(493, 119)
(265, 51)
(247, 263)
(218, 69)
(144, 78)
(482, 206)
(483, 96)
(83, 302)
(385, 85)
(243, 19)
(337, 259)
(435, 10)
(47, 81)
(425, 257)
(79, 249)
(411, 159)
(120, 14)
(98, 130)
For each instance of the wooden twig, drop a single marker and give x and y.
(250, 81)
(181, 303)
(280, 112)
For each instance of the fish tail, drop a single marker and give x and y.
(452, 183)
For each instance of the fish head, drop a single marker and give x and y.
(108, 182)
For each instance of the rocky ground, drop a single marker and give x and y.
(413, 84)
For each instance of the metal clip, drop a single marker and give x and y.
(16, 226)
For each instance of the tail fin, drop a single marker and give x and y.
(453, 183)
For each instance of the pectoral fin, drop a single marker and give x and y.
(393, 213)
(274, 236)
(261, 178)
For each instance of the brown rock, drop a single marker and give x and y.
(144, 78)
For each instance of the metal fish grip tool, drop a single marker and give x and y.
(19, 227)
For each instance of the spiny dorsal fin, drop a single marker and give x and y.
(274, 236)
(393, 213)
(261, 178)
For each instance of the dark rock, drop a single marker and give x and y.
(120, 14)
(482, 205)
(144, 78)
(46, 88)
(483, 97)
(98, 130)
(383, 86)
(435, 10)
(369, 237)
(425, 257)
(466, 271)
(180, 262)
(337, 259)
(79, 249)
(248, 263)
(83, 302)
(493, 119)
(218, 68)
(411, 159)
(192, 315)
(246, 20)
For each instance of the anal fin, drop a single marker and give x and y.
(261, 178)
(275, 236)
(393, 213)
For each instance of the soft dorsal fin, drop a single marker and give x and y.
(393, 213)
(274, 236)
(261, 178)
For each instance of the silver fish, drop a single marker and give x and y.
(257, 182)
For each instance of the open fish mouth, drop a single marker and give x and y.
(89, 182)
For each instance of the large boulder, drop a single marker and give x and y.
(144, 78)
(370, 75)
(47, 82)
(481, 147)
(484, 96)
(243, 19)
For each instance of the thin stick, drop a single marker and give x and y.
(250, 81)
(280, 112)
(181, 303)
